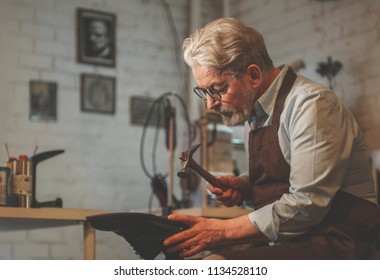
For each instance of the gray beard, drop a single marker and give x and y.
(232, 117)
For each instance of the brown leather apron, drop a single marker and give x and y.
(268, 170)
(348, 231)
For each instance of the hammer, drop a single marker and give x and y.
(188, 162)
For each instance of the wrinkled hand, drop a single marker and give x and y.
(237, 189)
(203, 234)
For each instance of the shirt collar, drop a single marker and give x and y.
(265, 104)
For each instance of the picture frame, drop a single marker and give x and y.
(98, 93)
(43, 101)
(96, 37)
(139, 108)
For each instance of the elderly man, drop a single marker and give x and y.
(309, 184)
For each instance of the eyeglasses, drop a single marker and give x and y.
(215, 94)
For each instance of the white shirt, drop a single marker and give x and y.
(321, 141)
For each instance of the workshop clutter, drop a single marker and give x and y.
(18, 181)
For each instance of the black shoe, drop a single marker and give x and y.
(144, 232)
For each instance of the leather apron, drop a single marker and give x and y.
(352, 224)
(268, 169)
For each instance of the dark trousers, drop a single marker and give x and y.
(349, 231)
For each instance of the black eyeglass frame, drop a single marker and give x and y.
(215, 94)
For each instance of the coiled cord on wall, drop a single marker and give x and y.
(158, 183)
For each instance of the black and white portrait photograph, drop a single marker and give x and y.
(96, 37)
(43, 101)
(97, 93)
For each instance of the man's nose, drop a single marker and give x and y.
(212, 103)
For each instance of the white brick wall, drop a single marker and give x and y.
(100, 168)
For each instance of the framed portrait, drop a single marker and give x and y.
(43, 101)
(96, 37)
(97, 94)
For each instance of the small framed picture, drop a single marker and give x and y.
(140, 107)
(96, 37)
(97, 93)
(43, 101)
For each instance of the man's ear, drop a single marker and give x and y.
(254, 75)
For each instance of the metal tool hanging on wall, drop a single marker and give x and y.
(163, 191)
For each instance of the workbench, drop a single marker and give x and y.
(13, 218)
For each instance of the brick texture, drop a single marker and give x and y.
(100, 168)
